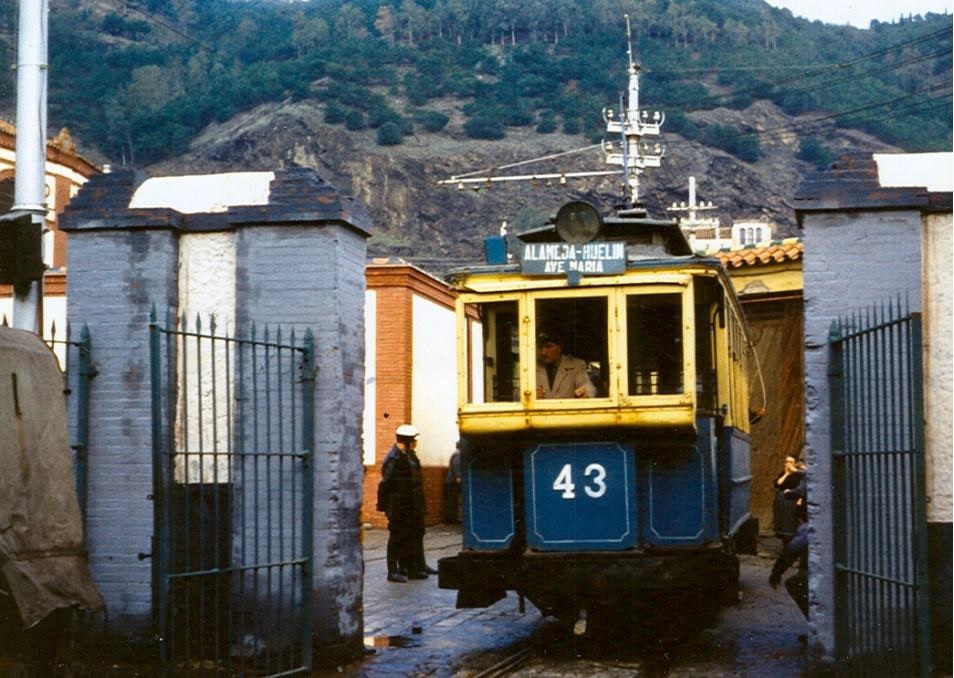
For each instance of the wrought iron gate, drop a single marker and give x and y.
(233, 486)
(880, 539)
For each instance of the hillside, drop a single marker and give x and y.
(385, 98)
(439, 226)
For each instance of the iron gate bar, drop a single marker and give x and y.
(85, 372)
(257, 627)
(876, 375)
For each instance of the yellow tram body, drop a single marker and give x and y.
(619, 404)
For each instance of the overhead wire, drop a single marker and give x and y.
(150, 16)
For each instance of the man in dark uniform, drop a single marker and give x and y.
(401, 497)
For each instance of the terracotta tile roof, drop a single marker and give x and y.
(776, 251)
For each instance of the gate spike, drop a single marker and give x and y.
(278, 335)
(834, 330)
(254, 331)
(185, 322)
(292, 336)
(212, 324)
(53, 330)
(198, 323)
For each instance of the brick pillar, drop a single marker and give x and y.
(300, 263)
(120, 264)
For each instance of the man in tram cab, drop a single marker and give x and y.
(560, 375)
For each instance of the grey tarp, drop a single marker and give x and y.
(41, 531)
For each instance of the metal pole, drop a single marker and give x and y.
(31, 144)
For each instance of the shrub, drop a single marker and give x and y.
(547, 124)
(572, 126)
(431, 121)
(484, 127)
(389, 134)
(381, 114)
(811, 150)
(335, 113)
(355, 121)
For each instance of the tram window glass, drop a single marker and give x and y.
(654, 339)
(494, 357)
(579, 324)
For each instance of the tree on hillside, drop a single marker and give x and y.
(413, 19)
(350, 20)
(458, 18)
(563, 14)
(152, 86)
(735, 33)
(308, 34)
(385, 23)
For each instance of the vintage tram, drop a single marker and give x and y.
(634, 491)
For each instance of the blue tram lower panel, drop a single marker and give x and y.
(488, 515)
(681, 503)
(580, 497)
(597, 496)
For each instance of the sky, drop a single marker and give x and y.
(859, 13)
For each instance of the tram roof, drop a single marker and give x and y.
(634, 230)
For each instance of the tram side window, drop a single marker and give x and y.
(495, 365)
(572, 348)
(654, 338)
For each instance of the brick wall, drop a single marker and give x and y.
(857, 259)
(312, 276)
(115, 277)
(395, 287)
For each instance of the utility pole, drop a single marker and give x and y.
(28, 215)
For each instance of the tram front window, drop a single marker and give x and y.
(654, 339)
(495, 355)
(571, 343)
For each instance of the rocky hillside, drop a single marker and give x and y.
(439, 227)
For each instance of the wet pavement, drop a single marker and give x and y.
(413, 629)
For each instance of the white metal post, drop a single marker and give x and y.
(30, 184)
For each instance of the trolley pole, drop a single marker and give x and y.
(29, 194)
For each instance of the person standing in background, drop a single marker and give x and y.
(783, 510)
(401, 498)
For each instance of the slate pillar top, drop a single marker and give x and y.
(880, 181)
(211, 202)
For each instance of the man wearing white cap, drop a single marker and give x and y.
(401, 497)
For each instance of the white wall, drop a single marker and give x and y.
(938, 370)
(434, 380)
(206, 289)
(370, 377)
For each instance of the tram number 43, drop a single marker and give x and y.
(594, 483)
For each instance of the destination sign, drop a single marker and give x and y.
(592, 258)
